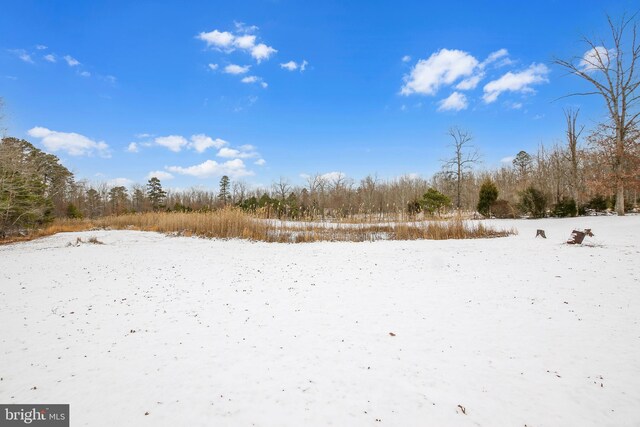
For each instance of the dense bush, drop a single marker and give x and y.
(502, 209)
(598, 203)
(414, 207)
(488, 196)
(533, 202)
(565, 207)
(73, 212)
(434, 201)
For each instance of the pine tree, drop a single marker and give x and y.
(32, 183)
(488, 196)
(433, 201)
(118, 197)
(224, 195)
(155, 193)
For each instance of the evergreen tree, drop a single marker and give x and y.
(138, 198)
(488, 196)
(93, 202)
(73, 212)
(32, 184)
(434, 201)
(155, 193)
(522, 163)
(533, 201)
(224, 194)
(118, 197)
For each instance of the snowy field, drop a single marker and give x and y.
(149, 330)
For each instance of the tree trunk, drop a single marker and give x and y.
(619, 171)
(620, 196)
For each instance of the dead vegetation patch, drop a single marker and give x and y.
(233, 223)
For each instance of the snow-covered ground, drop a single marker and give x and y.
(194, 332)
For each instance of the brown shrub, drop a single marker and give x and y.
(502, 209)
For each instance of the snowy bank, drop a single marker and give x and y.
(197, 332)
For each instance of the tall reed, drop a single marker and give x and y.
(230, 223)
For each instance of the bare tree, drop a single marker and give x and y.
(611, 70)
(282, 188)
(464, 157)
(573, 133)
(317, 185)
(238, 191)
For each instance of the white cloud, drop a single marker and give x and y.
(72, 143)
(516, 82)
(249, 79)
(243, 152)
(260, 162)
(236, 69)
(261, 52)
(227, 42)
(244, 28)
(245, 42)
(50, 57)
(143, 135)
(217, 39)
(133, 147)
(210, 168)
(507, 159)
(333, 176)
(494, 56)
(470, 83)
(213, 67)
(85, 74)
(291, 65)
(119, 182)
(172, 142)
(201, 142)
(441, 68)
(254, 79)
(160, 175)
(597, 58)
(71, 61)
(41, 47)
(447, 67)
(406, 58)
(454, 102)
(22, 54)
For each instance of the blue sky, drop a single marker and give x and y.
(264, 89)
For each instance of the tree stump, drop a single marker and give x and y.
(541, 234)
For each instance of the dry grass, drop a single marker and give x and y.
(93, 240)
(233, 223)
(58, 226)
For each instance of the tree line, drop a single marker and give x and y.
(589, 171)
